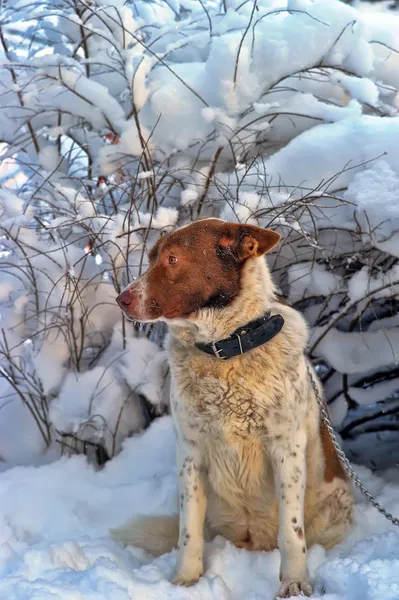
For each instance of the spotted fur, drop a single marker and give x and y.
(254, 462)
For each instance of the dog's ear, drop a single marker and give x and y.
(244, 241)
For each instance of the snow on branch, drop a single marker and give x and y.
(127, 119)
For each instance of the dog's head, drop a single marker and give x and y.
(197, 266)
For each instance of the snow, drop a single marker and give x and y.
(338, 410)
(356, 352)
(145, 115)
(329, 149)
(380, 285)
(163, 219)
(5, 290)
(144, 367)
(92, 405)
(369, 573)
(55, 543)
(362, 89)
(379, 180)
(306, 279)
(90, 99)
(50, 362)
(188, 196)
(30, 442)
(369, 396)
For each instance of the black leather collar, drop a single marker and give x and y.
(253, 334)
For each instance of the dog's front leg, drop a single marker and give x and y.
(289, 461)
(189, 566)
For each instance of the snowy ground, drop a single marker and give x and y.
(55, 517)
(54, 542)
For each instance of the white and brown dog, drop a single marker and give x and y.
(256, 463)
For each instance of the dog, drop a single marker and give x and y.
(255, 461)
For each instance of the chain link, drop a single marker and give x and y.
(356, 480)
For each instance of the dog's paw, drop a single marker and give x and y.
(290, 588)
(186, 579)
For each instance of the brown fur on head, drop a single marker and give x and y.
(197, 266)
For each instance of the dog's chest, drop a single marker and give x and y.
(223, 412)
(220, 398)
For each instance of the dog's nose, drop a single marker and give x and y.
(124, 299)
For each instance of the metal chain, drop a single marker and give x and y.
(356, 480)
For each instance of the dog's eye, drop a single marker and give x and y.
(173, 260)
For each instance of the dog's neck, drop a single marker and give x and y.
(256, 297)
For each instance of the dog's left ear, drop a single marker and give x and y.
(249, 240)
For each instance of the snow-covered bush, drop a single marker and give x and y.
(130, 118)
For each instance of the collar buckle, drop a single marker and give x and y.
(256, 332)
(217, 351)
(239, 343)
